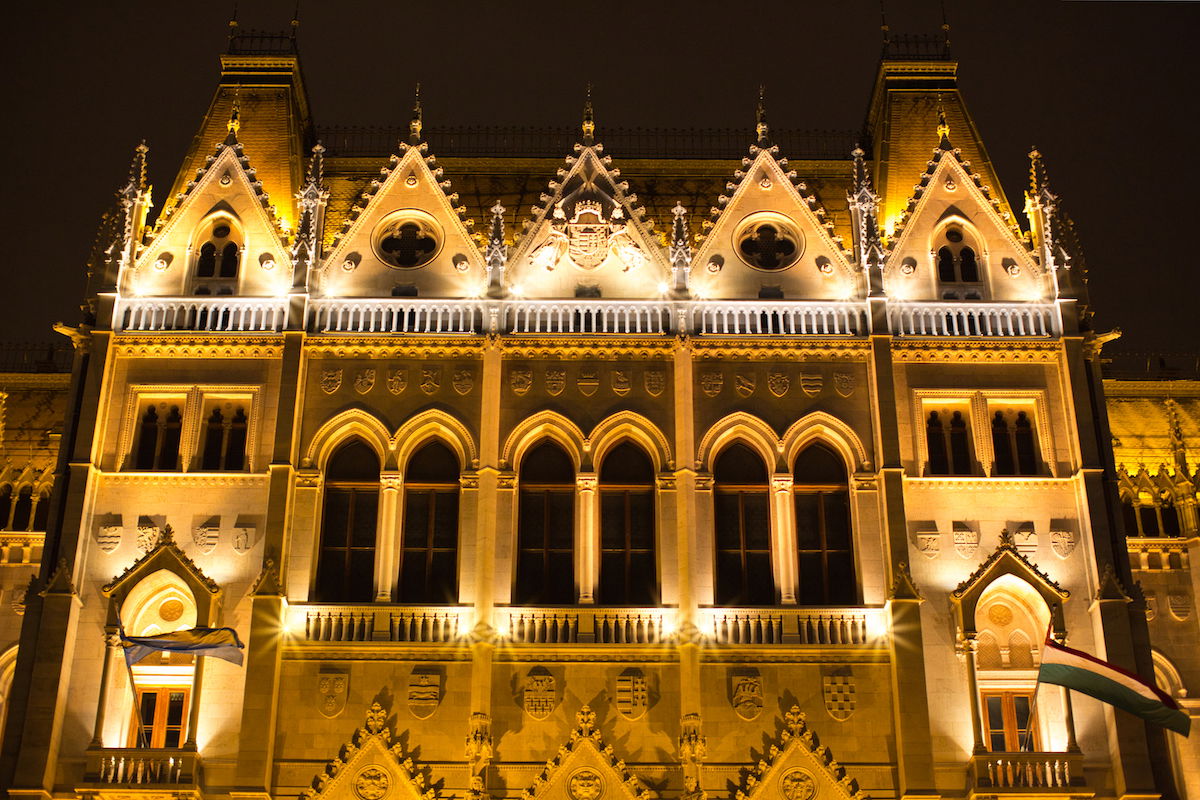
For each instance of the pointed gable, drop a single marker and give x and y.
(166, 555)
(589, 238)
(796, 765)
(585, 766)
(1006, 559)
(225, 192)
(768, 238)
(407, 235)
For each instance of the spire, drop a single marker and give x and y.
(312, 198)
(1038, 180)
(680, 252)
(235, 118)
(414, 125)
(233, 23)
(589, 121)
(136, 184)
(883, 26)
(760, 118)
(497, 251)
(945, 28)
(295, 20)
(943, 127)
(864, 208)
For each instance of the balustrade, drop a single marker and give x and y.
(406, 315)
(365, 623)
(208, 313)
(140, 767)
(587, 316)
(793, 626)
(1028, 771)
(972, 319)
(794, 318)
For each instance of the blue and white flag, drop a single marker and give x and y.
(222, 643)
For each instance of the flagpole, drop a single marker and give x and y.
(137, 701)
(1026, 739)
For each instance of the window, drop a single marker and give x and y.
(546, 528)
(1144, 517)
(958, 267)
(825, 549)
(993, 432)
(224, 439)
(407, 240)
(41, 512)
(218, 258)
(5, 506)
(346, 563)
(948, 441)
(1014, 446)
(22, 509)
(769, 244)
(628, 568)
(743, 529)
(161, 714)
(429, 550)
(158, 437)
(1008, 722)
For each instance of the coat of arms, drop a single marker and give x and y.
(811, 383)
(1063, 542)
(364, 380)
(431, 379)
(520, 380)
(744, 384)
(331, 691)
(539, 695)
(844, 383)
(148, 537)
(463, 380)
(108, 537)
(747, 695)
(929, 543)
(556, 380)
(331, 380)
(966, 541)
(1180, 605)
(1151, 605)
(1025, 539)
(589, 382)
(797, 784)
(244, 538)
(585, 784)
(424, 692)
(655, 381)
(397, 381)
(622, 381)
(587, 233)
(633, 693)
(372, 784)
(205, 537)
(711, 383)
(839, 696)
(778, 383)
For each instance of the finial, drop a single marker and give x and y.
(295, 19)
(943, 127)
(1037, 172)
(233, 22)
(883, 26)
(760, 116)
(945, 28)
(414, 125)
(235, 117)
(589, 120)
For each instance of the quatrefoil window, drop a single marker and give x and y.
(769, 243)
(407, 241)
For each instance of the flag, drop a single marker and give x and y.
(220, 643)
(1073, 669)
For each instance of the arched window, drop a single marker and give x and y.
(968, 269)
(224, 441)
(429, 553)
(946, 272)
(346, 563)
(958, 266)
(628, 567)
(218, 257)
(22, 509)
(743, 529)
(546, 528)
(1002, 446)
(6, 505)
(823, 538)
(41, 514)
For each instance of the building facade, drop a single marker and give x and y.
(666, 476)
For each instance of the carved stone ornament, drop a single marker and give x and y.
(147, 537)
(397, 380)
(424, 692)
(372, 784)
(1180, 605)
(364, 380)
(205, 537)
(431, 379)
(711, 383)
(811, 383)
(966, 541)
(244, 539)
(589, 381)
(332, 690)
(331, 380)
(1025, 539)
(1063, 542)
(778, 383)
(556, 381)
(844, 383)
(747, 695)
(655, 381)
(622, 381)
(108, 537)
(585, 784)
(633, 693)
(539, 695)
(797, 784)
(587, 233)
(744, 384)
(463, 380)
(839, 694)
(929, 543)
(520, 380)
(1151, 605)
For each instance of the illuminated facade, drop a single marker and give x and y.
(689, 478)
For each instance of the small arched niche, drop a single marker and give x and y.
(1015, 617)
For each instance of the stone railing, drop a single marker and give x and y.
(381, 623)
(585, 625)
(972, 319)
(794, 318)
(19, 548)
(587, 316)
(1158, 552)
(1032, 772)
(400, 315)
(207, 313)
(800, 626)
(132, 767)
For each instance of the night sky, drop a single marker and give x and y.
(1106, 90)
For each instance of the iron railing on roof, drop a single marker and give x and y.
(261, 43)
(555, 142)
(917, 47)
(36, 356)
(1152, 366)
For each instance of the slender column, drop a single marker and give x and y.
(973, 691)
(387, 536)
(111, 643)
(1069, 719)
(783, 534)
(587, 526)
(194, 711)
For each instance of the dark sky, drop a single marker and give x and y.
(1106, 90)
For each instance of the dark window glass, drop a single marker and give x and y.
(168, 452)
(23, 509)
(346, 564)
(824, 543)
(960, 445)
(628, 565)
(214, 442)
(1149, 517)
(967, 265)
(1168, 513)
(1129, 516)
(1025, 446)
(935, 441)
(429, 553)
(546, 528)
(5, 505)
(1009, 723)
(945, 261)
(41, 514)
(147, 440)
(206, 265)
(229, 261)
(235, 449)
(1002, 445)
(743, 529)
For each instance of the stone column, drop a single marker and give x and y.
(387, 535)
(977, 747)
(587, 543)
(1069, 720)
(111, 645)
(194, 711)
(783, 537)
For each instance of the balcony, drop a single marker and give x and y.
(216, 314)
(795, 318)
(379, 623)
(587, 316)
(976, 319)
(1028, 773)
(407, 315)
(150, 770)
(796, 626)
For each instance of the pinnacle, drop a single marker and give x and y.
(589, 121)
(760, 118)
(943, 127)
(415, 124)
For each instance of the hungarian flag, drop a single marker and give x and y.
(1063, 666)
(220, 643)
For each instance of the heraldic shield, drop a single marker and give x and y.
(332, 688)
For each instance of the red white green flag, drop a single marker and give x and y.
(1110, 684)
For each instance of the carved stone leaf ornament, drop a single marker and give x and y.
(711, 383)
(424, 692)
(839, 694)
(397, 381)
(108, 537)
(844, 383)
(520, 380)
(778, 383)
(332, 690)
(431, 379)
(364, 380)
(331, 380)
(539, 695)
(556, 381)
(372, 783)
(463, 380)
(622, 381)
(1063, 543)
(655, 381)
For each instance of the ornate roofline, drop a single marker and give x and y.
(1007, 549)
(796, 734)
(166, 544)
(586, 731)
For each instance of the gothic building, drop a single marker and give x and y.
(537, 470)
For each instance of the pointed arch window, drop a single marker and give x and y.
(429, 550)
(948, 441)
(23, 509)
(224, 440)
(825, 549)
(218, 257)
(159, 434)
(546, 528)
(958, 268)
(743, 529)
(1014, 442)
(6, 505)
(628, 563)
(346, 562)
(41, 512)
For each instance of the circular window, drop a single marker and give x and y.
(407, 240)
(954, 235)
(221, 231)
(769, 243)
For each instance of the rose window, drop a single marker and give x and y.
(769, 245)
(407, 242)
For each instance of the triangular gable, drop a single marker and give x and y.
(796, 765)
(411, 190)
(948, 190)
(765, 191)
(166, 555)
(369, 765)
(590, 235)
(586, 767)
(227, 185)
(1006, 560)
